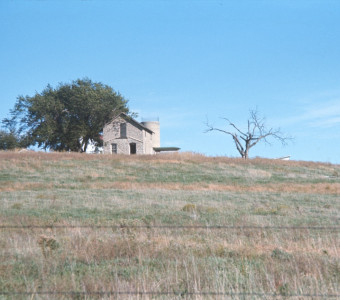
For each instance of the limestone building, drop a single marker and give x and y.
(124, 135)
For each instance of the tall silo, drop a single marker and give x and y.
(155, 128)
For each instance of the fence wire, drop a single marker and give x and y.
(170, 293)
(229, 227)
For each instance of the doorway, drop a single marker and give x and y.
(133, 148)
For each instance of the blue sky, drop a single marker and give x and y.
(185, 61)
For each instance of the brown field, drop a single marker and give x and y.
(144, 227)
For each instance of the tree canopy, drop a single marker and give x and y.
(68, 117)
(9, 140)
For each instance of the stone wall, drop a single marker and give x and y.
(134, 134)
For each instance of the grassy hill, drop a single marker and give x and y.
(160, 215)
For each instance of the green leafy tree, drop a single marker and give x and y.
(10, 140)
(68, 117)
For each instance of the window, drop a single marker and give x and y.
(114, 148)
(123, 133)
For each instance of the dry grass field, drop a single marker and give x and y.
(147, 225)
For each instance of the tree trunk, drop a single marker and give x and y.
(245, 154)
(246, 151)
(85, 143)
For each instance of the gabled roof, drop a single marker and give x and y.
(133, 121)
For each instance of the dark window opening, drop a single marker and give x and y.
(133, 148)
(114, 148)
(123, 130)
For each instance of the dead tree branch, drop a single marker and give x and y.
(256, 132)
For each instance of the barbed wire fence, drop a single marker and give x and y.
(170, 293)
(230, 227)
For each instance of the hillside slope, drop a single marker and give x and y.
(173, 224)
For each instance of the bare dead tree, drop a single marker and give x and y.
(256, 132)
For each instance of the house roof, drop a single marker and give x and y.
(132, 120)
(163, 149)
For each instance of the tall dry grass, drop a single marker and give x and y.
(180, 261)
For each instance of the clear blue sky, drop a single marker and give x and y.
(184, 61)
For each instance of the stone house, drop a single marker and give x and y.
(125, 135)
